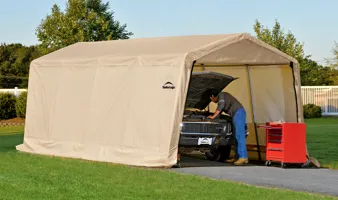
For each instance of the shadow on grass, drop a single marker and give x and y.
(8, 142)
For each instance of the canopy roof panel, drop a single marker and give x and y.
(239, 48)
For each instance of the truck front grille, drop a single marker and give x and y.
(205, 128)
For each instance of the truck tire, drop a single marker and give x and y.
(219, 154)
(224, 153)
(213, 154)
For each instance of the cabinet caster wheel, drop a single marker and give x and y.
(307, 164)
(268, 163)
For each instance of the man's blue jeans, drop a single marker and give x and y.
(239, 121)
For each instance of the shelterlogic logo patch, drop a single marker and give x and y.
(168, 85)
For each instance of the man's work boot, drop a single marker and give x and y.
(231, 160)
(241, 161)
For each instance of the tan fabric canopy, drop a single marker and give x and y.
(104, 101)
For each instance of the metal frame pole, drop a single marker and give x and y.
(253, 111)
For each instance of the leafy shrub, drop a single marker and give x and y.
(20, 105)
(7, 106)
(312, 111)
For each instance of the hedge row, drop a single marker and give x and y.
(312, 111)
(11, 107)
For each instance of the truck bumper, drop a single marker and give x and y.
(204, 140)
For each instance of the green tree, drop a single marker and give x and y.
(314, 74)
(333, 63)
(82, 21)
(285, 42)
(311, 72)
(14, 64)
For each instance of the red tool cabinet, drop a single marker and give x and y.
(286, 143)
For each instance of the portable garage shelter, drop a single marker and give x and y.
(107, 101)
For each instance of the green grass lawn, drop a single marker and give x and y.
(322, 140)
(24, 176)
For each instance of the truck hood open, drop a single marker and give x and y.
(200, 82)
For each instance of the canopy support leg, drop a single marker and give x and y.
(253, 111)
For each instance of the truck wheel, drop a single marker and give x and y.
(219, 154)
(224, 153)
(213, 154)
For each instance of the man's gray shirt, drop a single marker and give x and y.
(228, 103)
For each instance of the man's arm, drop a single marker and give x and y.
(220, 106)
(214, 115)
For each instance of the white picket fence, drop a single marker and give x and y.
(16, 91)
(324, 96)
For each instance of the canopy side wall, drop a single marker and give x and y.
(112, 109)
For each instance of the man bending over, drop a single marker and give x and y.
(230, 105)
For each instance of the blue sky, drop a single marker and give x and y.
(312, 22)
